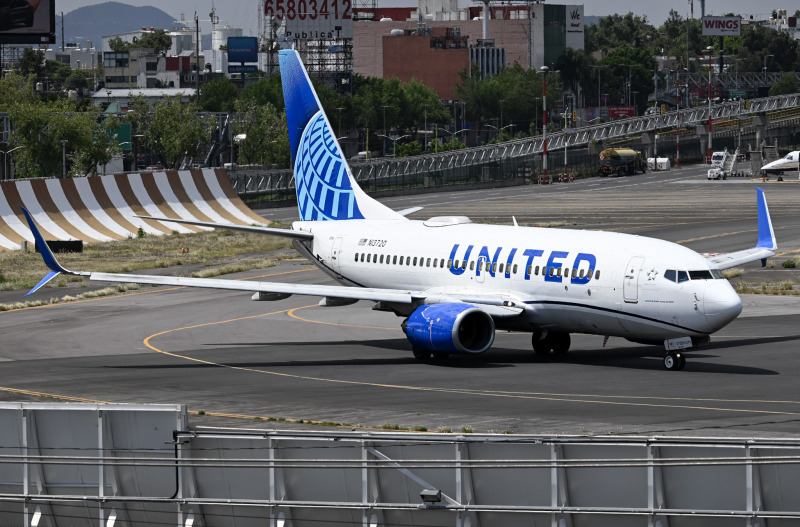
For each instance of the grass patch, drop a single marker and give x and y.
(733, 272)
(387, 426)
(234, 268)
(783, 288)
(789, 264)
(121, 288)
(467, 430)
(23, 270)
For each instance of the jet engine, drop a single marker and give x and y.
(449, 328)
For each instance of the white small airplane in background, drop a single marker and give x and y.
(456, 282)
(789, 163)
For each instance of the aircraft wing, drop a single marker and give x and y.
(284, 233)
(767, 244)
(497, 306)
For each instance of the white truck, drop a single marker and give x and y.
(723, 164)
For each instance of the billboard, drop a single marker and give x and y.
(242, 49)
(313, 19)
(723, 26)
(27, 22)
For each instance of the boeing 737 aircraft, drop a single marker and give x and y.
(455, 282)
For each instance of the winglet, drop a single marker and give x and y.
(47, 255)
(766, 234)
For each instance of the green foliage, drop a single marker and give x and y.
(453, 144)
(266, 91)
(176, 130)
(267, 138)
(159, 41)
(40, 126)
(218, 95)
(789, 264)
(408, 149)
(32, 62)
(381, 105)
(786, 86)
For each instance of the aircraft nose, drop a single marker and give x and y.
(721, 304)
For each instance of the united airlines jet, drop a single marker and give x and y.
(455, 283)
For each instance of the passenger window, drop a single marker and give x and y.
(369, 258)
(381, 258)
(428, 263)
(671, 275)
(558, 272)
(464, 265)
(356, 256)
(574, 272)
(580, 275)
(500, 268)
(456, 264)
(441, 262)
(494, 267)
(394, 259)
(408, 260)
(472, 266)
(529, 270)
(536, 271)
(515, 269)
(683, 276)
(597, 275)
(435, 262)
(449, 264)
(401, 260)
(415, 260)
(362, 257)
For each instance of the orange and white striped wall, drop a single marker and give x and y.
(103, 208)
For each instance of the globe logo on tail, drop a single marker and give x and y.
(323, 184)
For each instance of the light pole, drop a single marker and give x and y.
(425, 141)
(677, 128)
(543, 71)
(765, 67)
(598, 68)
(340, 122)
(384, 128)
(502, 102)
(635, 110)
(108, 92)
(5, 160)
(710, 51)
(64, 158)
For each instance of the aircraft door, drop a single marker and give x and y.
(336, 253)
(630, 287)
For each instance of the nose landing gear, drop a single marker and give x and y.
(674, 361)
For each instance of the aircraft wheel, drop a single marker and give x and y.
(672, 361)
(682, 363)
(421, 354)
(541, 346)
(561, 343)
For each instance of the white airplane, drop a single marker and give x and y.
(456, 282)
(789, 163)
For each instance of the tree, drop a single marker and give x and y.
(218, 95)
(786, 86)
(118, 45)
(267, 138)
(158, 40)
(175, 130)
(266, 90)
(32, 62)
(41, 126)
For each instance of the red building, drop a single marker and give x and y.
(436, 57)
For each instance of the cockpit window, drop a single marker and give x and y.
(700, 275)
(671, 275)
(717, 274)
(683, 276)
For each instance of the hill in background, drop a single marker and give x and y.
(91, 23)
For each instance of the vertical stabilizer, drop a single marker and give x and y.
(326, 189)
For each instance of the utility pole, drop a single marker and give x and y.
(710, 51)
(543, 70)
(197, 57)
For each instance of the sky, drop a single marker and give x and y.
(242, 13)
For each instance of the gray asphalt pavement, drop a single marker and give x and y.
(246, 361)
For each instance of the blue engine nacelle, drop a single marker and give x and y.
(450, 328)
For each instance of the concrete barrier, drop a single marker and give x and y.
(103, 208)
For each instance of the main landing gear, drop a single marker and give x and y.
(558, 343)
(674, 361)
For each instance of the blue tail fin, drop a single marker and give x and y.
(326, 189)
